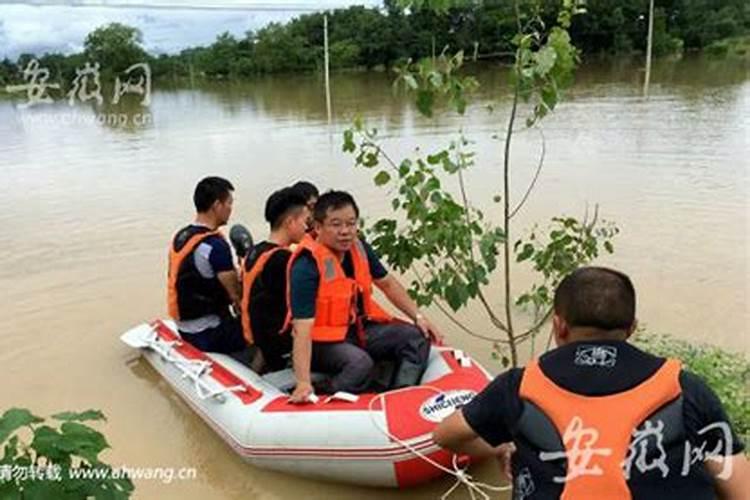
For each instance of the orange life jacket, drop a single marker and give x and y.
(248, 278)
(179, 251)
(609, 422)
(336, 302)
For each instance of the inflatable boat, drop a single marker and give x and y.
(379, 439)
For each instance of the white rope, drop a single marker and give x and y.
(192, 369)
(475, 488)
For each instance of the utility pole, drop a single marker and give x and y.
(326, 63)
(649, 46)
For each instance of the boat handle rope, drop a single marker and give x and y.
(192, 369)
(476, 489)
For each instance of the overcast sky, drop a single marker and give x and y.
(39, 29)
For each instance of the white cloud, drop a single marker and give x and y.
(59, 28)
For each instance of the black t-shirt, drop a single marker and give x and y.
(268, 306)
(494, 412)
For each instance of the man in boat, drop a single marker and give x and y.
(203, 283)
(310, 193)
(599, 418)
(339, 328)
(264, 308)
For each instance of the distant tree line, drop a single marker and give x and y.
(361, 37)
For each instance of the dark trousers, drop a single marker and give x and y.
(351, 366)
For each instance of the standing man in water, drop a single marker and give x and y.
(339, 328)
(202, 281)
(598, 417)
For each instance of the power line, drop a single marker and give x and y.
(231, 5)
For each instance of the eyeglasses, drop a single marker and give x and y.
(339, 225)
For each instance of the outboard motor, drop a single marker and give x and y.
(241, 240)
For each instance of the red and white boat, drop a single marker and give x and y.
(371, 439)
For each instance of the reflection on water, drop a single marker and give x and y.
(88, 207)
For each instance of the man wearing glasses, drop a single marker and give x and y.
(339, 329)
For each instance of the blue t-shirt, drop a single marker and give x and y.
(305, 279)
(213, 256)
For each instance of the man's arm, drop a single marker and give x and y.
(220, 259)
(737, 485)
(455, 434)
(301, 356)
(399, 297)
(230, 280)
(303, 292)
(708, 426)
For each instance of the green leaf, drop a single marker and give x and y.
(358, 123)
(432, 184)
(80, 416)
(425, 102)
(47, 490)
(48, 442)
(410, 81)
(14, 419)
(404, 168)
(9, 491)
(608, 246)
(349, 146)
(460, 104)
(436, 158)
(545, 60)
(453, 298)
(382, 178)
(436, 79)
(526, 252)
(370, 160)
(10, 450)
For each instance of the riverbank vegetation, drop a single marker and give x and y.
(367, 38)
(56, 458)
(726, 373)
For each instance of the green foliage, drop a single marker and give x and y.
(543, 68)
(569, 243)
(450, 246)
(115, 47)
(46, 467)
(434, 78)
(416, 30)
(728, 374)
(440, 234)
(730, 47)
(664, 42)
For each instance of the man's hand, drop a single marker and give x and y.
(428, 329)
(504, 453)
(737, 484)
(301, 355)
(301, 393)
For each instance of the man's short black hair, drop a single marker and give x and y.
(209, 190)
(333, 200)
(281, 204)
(596, 297)
(306, 189)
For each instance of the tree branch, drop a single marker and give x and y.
(539, 324)
(536, 175)
(452, 318)
(506, 224)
